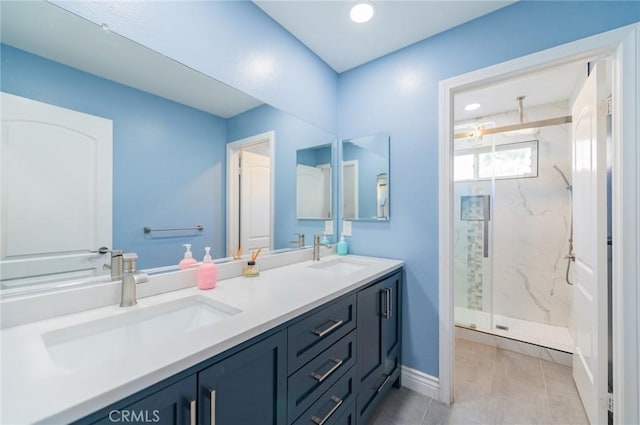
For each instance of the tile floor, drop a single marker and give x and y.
(493, 386)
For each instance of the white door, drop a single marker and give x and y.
(590, 245)
(310, 192)
(255, 201)
(55, 207)
(350, 189)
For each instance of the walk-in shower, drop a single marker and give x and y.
(513, 226)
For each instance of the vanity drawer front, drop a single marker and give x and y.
(348, 416)
(331, 406)
(315, 377)
(313, 335)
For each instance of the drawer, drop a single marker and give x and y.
(348, 417)
(331, 405)
(316, 333)
(373, 389)
(319, 374)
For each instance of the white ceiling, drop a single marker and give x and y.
(324, 26)
(539, 88)
(49, 31)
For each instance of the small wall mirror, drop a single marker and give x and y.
(365, 178)
(314, 183)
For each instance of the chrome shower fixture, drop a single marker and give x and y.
(522, 128)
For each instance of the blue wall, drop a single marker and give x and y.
(398, 94)
(169, 159)
(315, 156)
(291, 134)
(232, 41)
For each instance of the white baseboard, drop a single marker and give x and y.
(420, 382)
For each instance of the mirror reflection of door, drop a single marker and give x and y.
(312, 197)
(350, 189)
(255, 198)
(313, 183)
(250, 193)
(58, 212)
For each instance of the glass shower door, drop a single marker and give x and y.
(473, 265)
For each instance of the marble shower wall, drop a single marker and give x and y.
(524, 275)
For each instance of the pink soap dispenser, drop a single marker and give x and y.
(207, 276)
(188, 261)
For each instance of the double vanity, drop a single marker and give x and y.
(309, 342)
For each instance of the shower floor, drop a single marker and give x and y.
(556, 337)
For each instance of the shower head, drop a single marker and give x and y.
(525, 131)
(569, 187)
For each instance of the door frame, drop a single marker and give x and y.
(622, 45)
(233, 188)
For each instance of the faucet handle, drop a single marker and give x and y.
(130, 259)
(105, 249)
(300, 240)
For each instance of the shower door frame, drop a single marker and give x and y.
(623, 46)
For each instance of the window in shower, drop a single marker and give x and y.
(507, 161)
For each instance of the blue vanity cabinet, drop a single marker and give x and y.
(378, 343)
(329, 366)
(249, 387)
(172, 405)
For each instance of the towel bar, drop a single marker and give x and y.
(149, 229)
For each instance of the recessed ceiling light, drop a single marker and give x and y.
(472, 107)
(362, 12)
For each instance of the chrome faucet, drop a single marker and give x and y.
(316, 247)
(116, 265)
(300, 240)
(130, 278)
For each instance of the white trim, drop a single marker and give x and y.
(233, 150)
(622, 45)
(420, 382)
(626, 230)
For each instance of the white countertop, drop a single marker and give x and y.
(36, 390)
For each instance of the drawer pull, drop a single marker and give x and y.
(318, 421)
(384, 383)
(320, 378)
(387, 312)
(213, 406)
(192, 412)
(322, 332)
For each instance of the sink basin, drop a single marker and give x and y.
(101, 340)
(343, 265)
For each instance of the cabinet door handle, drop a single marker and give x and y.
(320, 378)
(384, 383)
(212, 395)
(318, 421)
(323, 332)
(387, 313)
(192, 412)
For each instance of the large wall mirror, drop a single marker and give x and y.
(170, 127)
(365, 178)
(314, 183)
